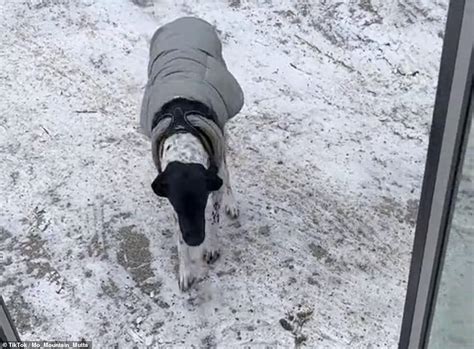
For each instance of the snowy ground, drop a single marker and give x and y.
(326, 157)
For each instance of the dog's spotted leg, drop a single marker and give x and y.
(230, 204)
(211, 244)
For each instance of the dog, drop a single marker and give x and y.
(188, 180)
(189, 97)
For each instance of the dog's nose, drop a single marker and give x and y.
(193, 240)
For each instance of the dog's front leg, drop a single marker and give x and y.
(211, 244)
(230, 204)
(186, 274)
(185, 262)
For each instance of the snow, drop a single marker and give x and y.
(326, 159)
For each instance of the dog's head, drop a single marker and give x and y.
(187, 187)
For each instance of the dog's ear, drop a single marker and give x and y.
(160, 185)
(213, 181)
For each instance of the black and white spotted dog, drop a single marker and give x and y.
(197, 189)
(189, 97)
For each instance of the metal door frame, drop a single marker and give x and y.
(446, 147)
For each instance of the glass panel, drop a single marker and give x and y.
(453, 322)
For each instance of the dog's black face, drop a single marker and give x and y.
(187, 187)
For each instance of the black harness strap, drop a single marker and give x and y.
(188, 107)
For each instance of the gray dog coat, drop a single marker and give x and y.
(186, 62)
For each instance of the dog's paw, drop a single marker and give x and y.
(186, 279)
(232, 210)
(211, 255)
(230, 206)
